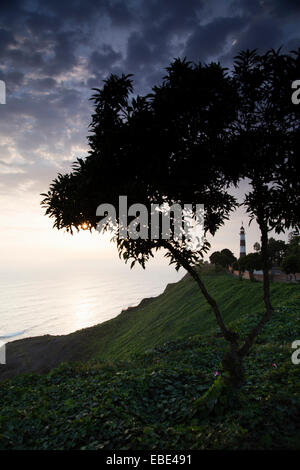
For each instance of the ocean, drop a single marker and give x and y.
(62, 301)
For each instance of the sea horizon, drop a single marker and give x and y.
(63, 301)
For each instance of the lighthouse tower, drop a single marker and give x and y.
(242, 241)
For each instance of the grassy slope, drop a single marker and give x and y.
(179, 312)
(152, 400)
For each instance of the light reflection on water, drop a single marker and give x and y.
(66, 302)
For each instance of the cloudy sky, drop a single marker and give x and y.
(54, 51)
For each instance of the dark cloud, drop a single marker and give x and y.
(177, 14)
(40, 24)
(293, 44)
(211, 39)
(13, 79)
(103, 58)
(20, 58)
(53, 51)
(11, 11)
(6, 39)
(283, 8)
(139, 51)
(43, 84)
(64, 57)
(254, 8)
(263, 34)
(120, 14)
(272, 8)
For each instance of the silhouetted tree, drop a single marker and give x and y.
(267, 142)
(218, 259)
(241, 264)
(229, 256)
(196, 134)
(223, 258)
(251, 262)
(238, 267)
(293, 247)
(276, 250)
(291, 264)
(171, 146)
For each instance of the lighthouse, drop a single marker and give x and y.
(242, 241)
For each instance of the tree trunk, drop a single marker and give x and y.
(233, 366)
(266, 289)
(232, 361)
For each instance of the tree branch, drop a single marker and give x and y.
(266, 287)
(230, 336)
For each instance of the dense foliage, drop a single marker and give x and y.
(224, 258)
